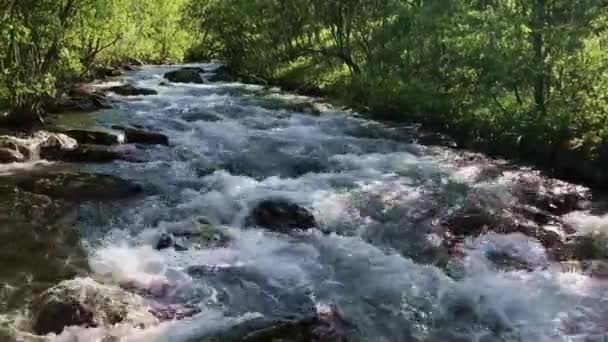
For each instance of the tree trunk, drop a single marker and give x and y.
(540, 77)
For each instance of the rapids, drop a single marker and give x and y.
(376, 194)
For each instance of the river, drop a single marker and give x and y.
(377, 256)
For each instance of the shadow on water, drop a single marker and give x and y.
(38, 245)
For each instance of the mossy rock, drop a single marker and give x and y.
(202, 235)
(78, 186)
(581, 248)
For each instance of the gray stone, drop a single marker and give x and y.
(281, 215)
(76, 186)
(87, 303)
(185, 75)
(131, 90)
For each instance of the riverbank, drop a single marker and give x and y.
(578, 160)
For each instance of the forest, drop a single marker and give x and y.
(510, 77)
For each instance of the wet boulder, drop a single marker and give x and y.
(201, 234)
(128, 67)
(185, 75)
(20, 148)
(31, 147)
(207, 235)
(165, 241)
(87, 303)
(106, 71)
(77, 186)
(140, 136)
(79, 99)
(82, 154)
(326, 325)
(594, 268)
(202, 116)
(473, 222)
(581, 248)
(94, 137)
(223, 74)
(136, 62)
(551, 195)
(174, 312)
(8, 155)
(281, 215)
(131, 90)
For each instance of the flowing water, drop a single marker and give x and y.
(376, 256)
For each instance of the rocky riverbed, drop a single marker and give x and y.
(192, 207)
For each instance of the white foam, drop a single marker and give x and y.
(516, 246)
(139, 267)
(586, 223)
(205, 324)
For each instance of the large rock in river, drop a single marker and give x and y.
(200, 234)
(131, 90)
(82, 154)
(76, 186)
(185, 75)
(8, 155)
(326, 325)
(223, 74)
(19, 149)
(140, 136)
(79, 99)
(84, 302)
(94, 137)
(281, 215)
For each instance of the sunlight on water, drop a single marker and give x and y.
(374, 198)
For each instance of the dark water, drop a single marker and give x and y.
(377, 255)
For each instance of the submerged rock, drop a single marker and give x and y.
(84, 302)
(106, 71)
(8, 155)
(186, 75)
(140, 136)
(202, 234)
(166, 241)
(583, 248)
(207, 235)
(551, 195)
(280, 215)
(593, 268)
(80, 99)
(202, 116)
(174, 312)
(223, 74)
(473, 222)
(94, 137)
(82, 154)
(41, 245)
(326, 325)
(75, 186)
(131, 90)
(128, 67)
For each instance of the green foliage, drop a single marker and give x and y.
(492, 72)
(46, 44)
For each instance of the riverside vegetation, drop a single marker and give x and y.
(521, 79)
